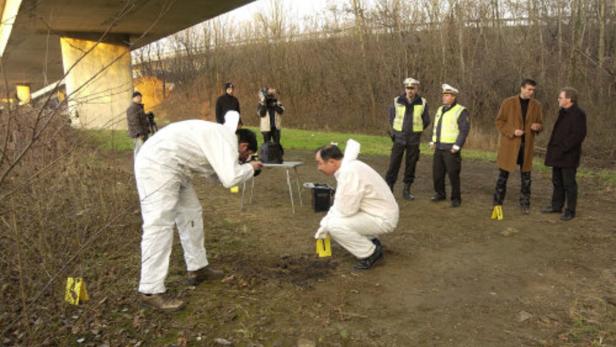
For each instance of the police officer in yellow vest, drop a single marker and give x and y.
(451, 127)
(408, 117)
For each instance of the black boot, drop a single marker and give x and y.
(567, 215)
(406, 192)
(368, 263)
(377, 242)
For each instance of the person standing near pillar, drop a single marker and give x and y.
(564, 152)
(519, 119)
(227, 102)
(138, 126)
(451, 127)
(408, 118)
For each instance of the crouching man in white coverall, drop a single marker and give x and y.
(364, 206)
(163, 169)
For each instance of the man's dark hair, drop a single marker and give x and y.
(247, 136)
(571, 94)
(330, 152)
(528, 81)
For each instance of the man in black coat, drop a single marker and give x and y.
(226, 102)
(563, 153)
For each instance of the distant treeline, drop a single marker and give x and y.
(345, 74)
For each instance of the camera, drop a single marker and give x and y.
(151, 122)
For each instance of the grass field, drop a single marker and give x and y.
(296, 139)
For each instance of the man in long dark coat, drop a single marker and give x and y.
(564, 152)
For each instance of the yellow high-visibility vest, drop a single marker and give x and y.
(418, 111)
(449, 124)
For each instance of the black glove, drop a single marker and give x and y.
(257, 172)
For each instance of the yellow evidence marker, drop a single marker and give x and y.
(497, 212)
(324, 247)
(235, 189)
(76, 291)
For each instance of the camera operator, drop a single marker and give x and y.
(270, 110)
(138, 125)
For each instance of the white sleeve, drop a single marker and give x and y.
(349, 193)
(221, 151)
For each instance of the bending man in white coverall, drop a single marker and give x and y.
(364, 206)
(163, 170)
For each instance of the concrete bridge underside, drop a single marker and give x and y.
(41, 40)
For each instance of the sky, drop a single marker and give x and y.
(294, 8)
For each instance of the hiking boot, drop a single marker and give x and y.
(368, 263)
(456, 203)
(161, 302)
(406, 193)
(438, 197)
(194, 278)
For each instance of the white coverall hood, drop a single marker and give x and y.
(232, 119)
(351, 152)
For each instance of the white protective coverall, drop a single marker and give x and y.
(163, 169)
(364, 206)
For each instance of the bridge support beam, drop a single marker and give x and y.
(99, 84)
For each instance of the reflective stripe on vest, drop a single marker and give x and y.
(418, 111)
(449, 124)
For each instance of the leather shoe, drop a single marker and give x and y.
(437, 198)
(368, 263)
(194, 278)
(567, 215)
(406, 193)
(161, 302)
(549, 209)
(456, 203)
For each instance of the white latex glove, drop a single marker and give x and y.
(455, 149)
(431, 144)
(321, 234)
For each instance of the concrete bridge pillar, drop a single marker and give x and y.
(100, 85)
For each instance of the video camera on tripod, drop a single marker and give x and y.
(151, 122)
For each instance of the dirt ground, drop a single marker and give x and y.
(451, 277)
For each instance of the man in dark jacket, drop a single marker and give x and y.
(270, 112)
(138, 126)
(408, 118)
(226, 102)
(564, 152)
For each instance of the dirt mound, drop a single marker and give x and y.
(300, 270)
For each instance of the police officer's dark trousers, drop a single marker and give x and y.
(397, 153)
(450, 164)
